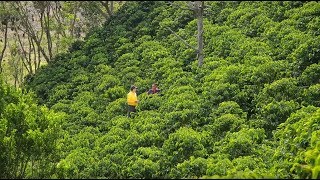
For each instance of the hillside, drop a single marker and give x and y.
(251, 111)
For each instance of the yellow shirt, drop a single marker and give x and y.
(132, 99)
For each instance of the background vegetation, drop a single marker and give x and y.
(250, 111)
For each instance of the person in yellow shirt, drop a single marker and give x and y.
(132, 100)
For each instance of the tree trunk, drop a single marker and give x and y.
(39, 57)
(23, 52)
(35, 55)
(30, 52)
(4, 46)
(199, 13)
(72, 26)
(105, 4)
(56, 12)
(30, 31)
(110, 10)
(47, 22)
(111, 7)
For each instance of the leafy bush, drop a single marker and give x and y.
(28, 133)
(251, 110)
(183, 144)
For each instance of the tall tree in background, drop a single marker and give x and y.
(97, 12)
(5, 39)
(7, 16)
(35, 31)
(198, 9)
(30, 28)
(108, 8)
(199, 5)
(44, 9)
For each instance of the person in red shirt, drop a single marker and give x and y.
(154, 89)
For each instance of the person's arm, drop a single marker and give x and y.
(136, 99)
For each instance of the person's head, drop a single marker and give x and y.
(154, 86)
(133, 88)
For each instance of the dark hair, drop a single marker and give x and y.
(133, 87)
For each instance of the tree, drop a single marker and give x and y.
(198, 8)
(199, 14)
(5, 23)
(8, 17)
(29, 135)
(30, 29)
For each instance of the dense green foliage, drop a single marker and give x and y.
(251, 111)
(30, 136)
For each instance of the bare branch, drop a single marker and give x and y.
(23, 52)
(185, 42)
(48, 34)
(106, 6)
(29, 55)
(57, 15)
(192, 5)
(199, 5)
(5, 45)
(29, 29)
